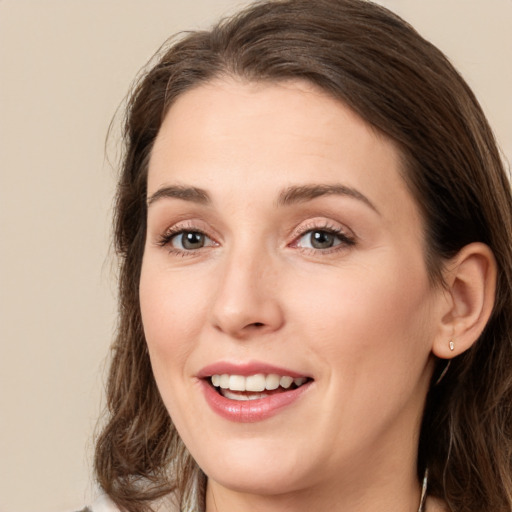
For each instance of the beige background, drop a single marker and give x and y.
(65, 66)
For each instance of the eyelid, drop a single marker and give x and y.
(164, 238)
(322, 224)
(344, 234)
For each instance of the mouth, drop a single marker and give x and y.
(252, 391)
(254, 387)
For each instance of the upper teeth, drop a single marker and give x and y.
(256, 383)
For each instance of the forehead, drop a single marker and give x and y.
(230, 108)
(261, 137)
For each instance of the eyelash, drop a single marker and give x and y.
(165, 240)
(344, 240)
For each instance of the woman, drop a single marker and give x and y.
(315, 231)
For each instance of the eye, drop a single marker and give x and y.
(323, 239)
(183, 239)
(318, 240)
(190, 240)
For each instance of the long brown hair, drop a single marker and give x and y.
(378, 65)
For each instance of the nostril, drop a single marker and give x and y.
(258, 324)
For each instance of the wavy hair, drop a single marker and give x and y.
(371, 60)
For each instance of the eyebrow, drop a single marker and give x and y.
(290, 195)
(304, 193)
(193, 194)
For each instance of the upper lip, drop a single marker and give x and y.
(246, 369)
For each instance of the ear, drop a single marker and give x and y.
(470, 284)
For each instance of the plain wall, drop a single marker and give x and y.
(65, 66)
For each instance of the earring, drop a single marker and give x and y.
(451, 345)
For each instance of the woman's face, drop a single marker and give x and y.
(283, 244)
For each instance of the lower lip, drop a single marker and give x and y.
(251, 411)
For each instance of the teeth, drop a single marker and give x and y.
(234, 396)
(224, 381)
(272, 381)
(254, 383)
(286, 382)
(236, 383)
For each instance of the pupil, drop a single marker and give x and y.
(322, 240)
(193, 240)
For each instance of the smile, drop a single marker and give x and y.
(252, 392)
(253, 387)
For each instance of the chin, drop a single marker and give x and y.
(256, 469)
(261, 480)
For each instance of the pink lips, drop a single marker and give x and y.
(248, 411)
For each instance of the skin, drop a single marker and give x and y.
(361, 318)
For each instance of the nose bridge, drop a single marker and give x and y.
(247, 297)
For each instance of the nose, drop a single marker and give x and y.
(247, 301)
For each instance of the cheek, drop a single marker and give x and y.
(172, 308)
(373, 318)
(370, 333)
